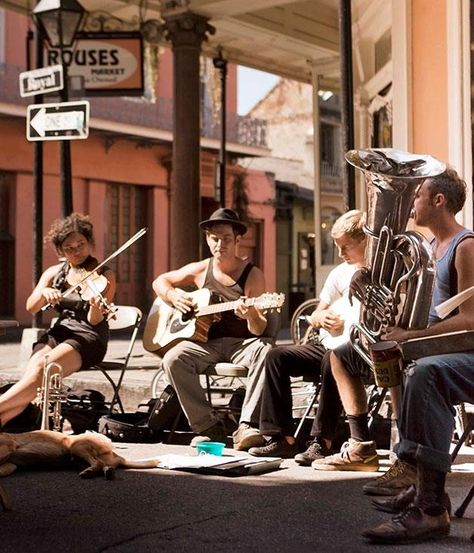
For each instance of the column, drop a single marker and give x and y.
(186, 32)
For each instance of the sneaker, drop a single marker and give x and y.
(275, 448)
(354, 455)
(412, 525)
(314, 451)
(400, 502)
(215, 433)
(399, 476)
(246, 437)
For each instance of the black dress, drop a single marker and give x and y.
(72, 326)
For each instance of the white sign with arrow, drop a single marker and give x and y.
(63, 121)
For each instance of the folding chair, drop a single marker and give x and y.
(215, 373)
(127, 316)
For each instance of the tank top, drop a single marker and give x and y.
(73, 310)
(230, 325)
(445, 286)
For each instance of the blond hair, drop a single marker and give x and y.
(351, 223)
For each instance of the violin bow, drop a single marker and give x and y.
(118, 251)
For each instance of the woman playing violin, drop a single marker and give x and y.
(79, 337)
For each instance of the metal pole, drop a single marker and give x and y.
(65, 155)
(37, 318)
(347, 99)
(220, 63)
(317, 180)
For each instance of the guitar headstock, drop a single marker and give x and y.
(269, 300)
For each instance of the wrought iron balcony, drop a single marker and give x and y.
(139, 112)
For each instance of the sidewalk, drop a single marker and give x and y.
(136, 385)
(292, 509)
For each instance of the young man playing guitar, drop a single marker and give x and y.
(236, 337)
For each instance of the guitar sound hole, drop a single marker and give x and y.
(181, 322)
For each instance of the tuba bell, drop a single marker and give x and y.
(396, 285)
(51, 395)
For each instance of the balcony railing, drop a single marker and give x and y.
(139, 112)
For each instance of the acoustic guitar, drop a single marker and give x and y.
(166, 326)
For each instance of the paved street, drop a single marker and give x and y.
(292, 509)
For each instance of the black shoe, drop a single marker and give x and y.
(275, 448)
(399, 503)
(315, 450)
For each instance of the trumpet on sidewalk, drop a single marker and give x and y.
(51, 394)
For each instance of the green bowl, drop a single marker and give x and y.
(212, 448)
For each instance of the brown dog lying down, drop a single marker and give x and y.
(47, 449)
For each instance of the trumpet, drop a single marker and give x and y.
(51, 394)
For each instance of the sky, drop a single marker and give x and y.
(252, 86)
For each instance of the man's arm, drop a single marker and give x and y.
(464, 319)
(165, 285)
(254, 286)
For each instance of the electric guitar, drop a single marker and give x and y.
(166, 325)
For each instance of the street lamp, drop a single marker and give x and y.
(59, 21)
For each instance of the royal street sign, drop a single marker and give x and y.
(63, 121)
(41, 81)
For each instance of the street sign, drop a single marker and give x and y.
(41, 81)
(63, 121)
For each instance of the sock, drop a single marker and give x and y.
(359, 427)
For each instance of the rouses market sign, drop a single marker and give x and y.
(111, 63)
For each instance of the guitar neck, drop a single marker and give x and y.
(220, 307)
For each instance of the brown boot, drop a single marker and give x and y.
(411, 525)
(400, 502)
(398, 477)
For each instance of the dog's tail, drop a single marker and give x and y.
(139, 463)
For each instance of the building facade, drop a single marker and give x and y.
(121, 178)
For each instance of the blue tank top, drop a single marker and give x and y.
(443, 288)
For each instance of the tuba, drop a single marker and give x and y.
(51, 395)
(396, 285)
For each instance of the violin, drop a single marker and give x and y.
(89, 284)
(95, 268)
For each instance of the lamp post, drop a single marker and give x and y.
(220, 63)
(59, 21)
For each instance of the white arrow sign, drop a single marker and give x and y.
(63, 121)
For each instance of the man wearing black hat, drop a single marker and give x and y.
(235, 338)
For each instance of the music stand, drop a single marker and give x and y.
(4, 498)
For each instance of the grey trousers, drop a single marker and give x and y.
(187, 360)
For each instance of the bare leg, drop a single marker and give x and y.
(20, 394)
(351, 389)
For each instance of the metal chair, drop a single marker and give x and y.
(127, 316)
(225, 378)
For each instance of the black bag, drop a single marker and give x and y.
(161, 414)
(83, 409)
(166, 412)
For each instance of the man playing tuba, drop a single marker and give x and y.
(433, 383)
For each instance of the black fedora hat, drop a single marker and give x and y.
(224, 216)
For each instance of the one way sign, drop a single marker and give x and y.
(63, 121)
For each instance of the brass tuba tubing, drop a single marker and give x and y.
(396, 289)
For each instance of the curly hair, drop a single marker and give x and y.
(62, 228)
(351, 223)
(453, 188)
